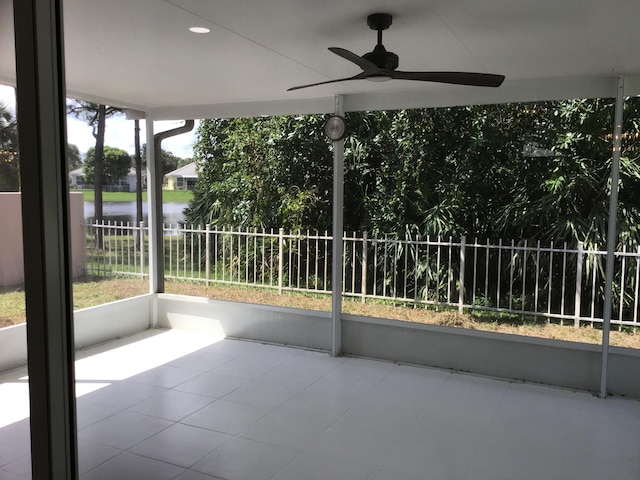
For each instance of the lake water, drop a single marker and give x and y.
(126, 212)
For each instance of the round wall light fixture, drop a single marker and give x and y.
(335, 128)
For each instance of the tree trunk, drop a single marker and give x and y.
(138, 160)
(98, 170)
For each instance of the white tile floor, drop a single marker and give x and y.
(178, 405)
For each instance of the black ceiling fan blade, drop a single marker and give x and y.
(368, 67)
(457, 78)
(380, 64)
(360, 76)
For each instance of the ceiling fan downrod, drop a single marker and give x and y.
(382, 58)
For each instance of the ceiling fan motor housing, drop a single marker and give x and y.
(382, 58)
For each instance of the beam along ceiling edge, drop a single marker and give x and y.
(510, 91)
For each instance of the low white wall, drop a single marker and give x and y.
(92, 326)
(106, 322)
(513, 357)
(13, 347)
(550, 362)
(11, 249)
(624, 372)
(286, 326)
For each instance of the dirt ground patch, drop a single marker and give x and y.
(89, 293)
(485, 322)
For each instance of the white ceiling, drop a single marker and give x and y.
(140, 54)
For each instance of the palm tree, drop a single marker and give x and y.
(9, 160)
(95, 115)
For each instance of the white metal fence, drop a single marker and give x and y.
(560, 282)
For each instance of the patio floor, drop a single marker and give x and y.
(174, 404)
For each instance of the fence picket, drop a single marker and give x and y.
(461, 281)
(405, 271)
(499, 269)
(525, 256)
(549, 282)
(622, 279)
(537, 290)
(578, 291)
(511, 267)
(363, 288)
(593, 286)
(635, 296)
(207, 253)
(280, 259)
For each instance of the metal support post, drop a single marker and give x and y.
(154, 209)
(154, 189)
(337, 228)
(612, 237)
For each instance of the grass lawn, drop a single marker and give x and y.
(95, 292)
(168, 196)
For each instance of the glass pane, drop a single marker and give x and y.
(15, 460)
(626, 296)
(109, 261)
(258, 226)
(116, 264)
(487, 217)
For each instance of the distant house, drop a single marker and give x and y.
(128, 183)
(76, 178)
(184, 178)
(125, 184)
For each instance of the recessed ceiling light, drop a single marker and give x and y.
(199, 29)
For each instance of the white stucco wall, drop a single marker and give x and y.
(11, 251)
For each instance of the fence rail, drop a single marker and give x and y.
(558, 282)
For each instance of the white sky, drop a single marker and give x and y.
(119, 131)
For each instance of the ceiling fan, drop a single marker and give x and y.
(380, 64)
